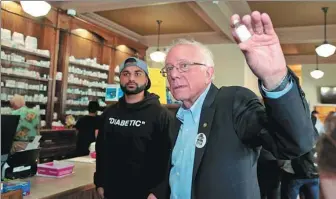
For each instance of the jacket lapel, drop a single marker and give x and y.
(204, 128)
(175, 131)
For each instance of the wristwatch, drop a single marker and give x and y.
(283, 84)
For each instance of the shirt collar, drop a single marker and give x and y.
(195, 109)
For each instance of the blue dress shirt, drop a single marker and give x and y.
(180, 178)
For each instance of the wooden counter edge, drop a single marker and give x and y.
(54, 130)
(12, 194)
(71, 191)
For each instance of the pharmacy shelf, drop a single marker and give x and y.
(25, 77)
(21, 64)
(85, 86)
(26, 89)
(73, 96)
(27, 102)
(87, 66)
(24, 51)
(87, 77)
(80, 105)
(80, 95)
(9, 113)
(77, 105)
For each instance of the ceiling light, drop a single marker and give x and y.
(36, 8)
(317, 74)
(158, 56)
(325, 49)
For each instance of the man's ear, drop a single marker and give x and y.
(210, 72)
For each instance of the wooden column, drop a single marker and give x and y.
(65, 41)
(50, 41)
(108, 58)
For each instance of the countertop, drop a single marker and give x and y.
(46, 187)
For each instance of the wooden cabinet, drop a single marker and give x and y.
(57, 144)
(85, 75)
(63, 36)
(12, 195)
(20, 75)
(26, 67)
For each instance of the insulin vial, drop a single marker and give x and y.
(241, 31)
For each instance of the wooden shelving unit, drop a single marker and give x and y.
(87, 66)
(24, 51)
(27, 79)
(82, 81)
(23, 78)
(21, 64)
(60, 34)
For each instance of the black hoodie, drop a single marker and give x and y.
(133, 148)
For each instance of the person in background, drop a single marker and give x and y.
(219, 132)
(87, 129)
(133, 143)
(326, 159)
(327, 120)
(28, 126)
(317, 122)
(300, 175)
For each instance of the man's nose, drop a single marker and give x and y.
(131, 77)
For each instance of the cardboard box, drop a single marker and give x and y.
(16, 185)
(55, 169)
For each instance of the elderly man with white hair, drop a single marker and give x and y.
(219, 131)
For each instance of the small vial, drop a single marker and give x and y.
(241, 31)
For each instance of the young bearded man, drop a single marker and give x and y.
(132, 145)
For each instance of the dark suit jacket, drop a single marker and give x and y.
(236, 124)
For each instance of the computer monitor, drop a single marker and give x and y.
(9, 125)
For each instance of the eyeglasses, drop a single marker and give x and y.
(181, 67)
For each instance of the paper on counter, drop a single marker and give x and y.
(83, 159)
(34, 144)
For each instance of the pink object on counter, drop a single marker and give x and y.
(56, 170)
(93, 155)
(58, 127)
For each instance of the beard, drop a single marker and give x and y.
(135, 91)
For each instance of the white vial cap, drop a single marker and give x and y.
(235, 22)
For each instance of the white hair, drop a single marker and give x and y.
(205, 51)
(17, 101)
